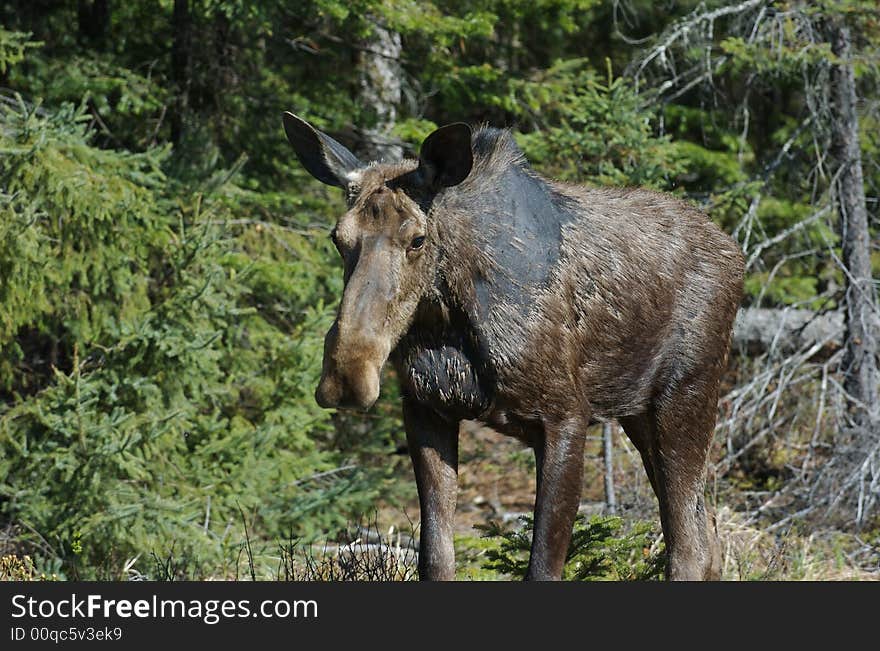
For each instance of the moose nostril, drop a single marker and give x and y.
(329, 393)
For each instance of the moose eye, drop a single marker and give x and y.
(417, 243)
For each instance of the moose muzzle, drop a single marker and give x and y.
(350, 375)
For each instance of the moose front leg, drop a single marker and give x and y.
(433, 446)
(559, 455)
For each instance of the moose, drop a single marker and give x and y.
(535, 307)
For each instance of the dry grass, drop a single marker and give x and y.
(753, 554)
(370, 556)
(21, 568)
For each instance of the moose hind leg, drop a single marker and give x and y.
(683, 427)
(559, 455)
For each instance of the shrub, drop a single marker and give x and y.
(156, 361)
(601, 549)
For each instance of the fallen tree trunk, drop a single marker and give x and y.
(783, 331)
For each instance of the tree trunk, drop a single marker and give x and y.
(181, 28)
(380, 74)
(93, 18)
(608, 459)
(860, 362)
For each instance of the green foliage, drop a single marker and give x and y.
(71, 268)
(12, 48)
(590, 130)
(787, 61)
(181, 393)
(120, 95)
(601, 549)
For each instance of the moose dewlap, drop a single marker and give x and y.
(532, 306)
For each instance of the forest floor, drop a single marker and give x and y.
(497, 485)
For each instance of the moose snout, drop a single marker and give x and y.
(359, 390)
(350, 375)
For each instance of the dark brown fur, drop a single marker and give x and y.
(534, 307)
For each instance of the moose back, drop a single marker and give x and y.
(534, 307)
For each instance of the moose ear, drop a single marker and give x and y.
(446, 158)
(323, 157)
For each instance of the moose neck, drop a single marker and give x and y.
(501, 230)
(498, 237)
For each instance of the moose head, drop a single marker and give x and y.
(387, 241)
